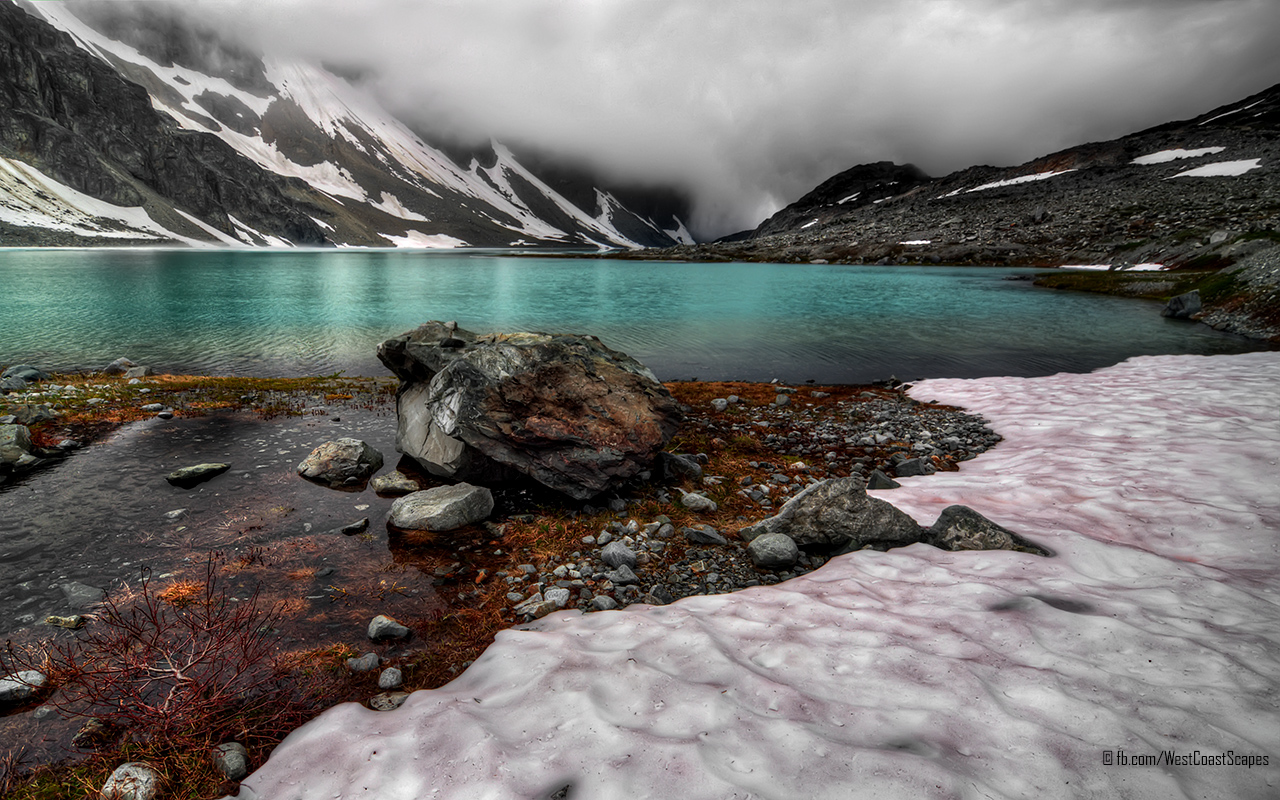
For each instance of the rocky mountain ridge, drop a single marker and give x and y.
(1197, 193)
(120, 124)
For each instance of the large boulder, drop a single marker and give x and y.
(561, 409)
(341, 464)
(838, 513)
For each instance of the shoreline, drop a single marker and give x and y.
(454, 593)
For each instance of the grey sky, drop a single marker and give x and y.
(750, 103)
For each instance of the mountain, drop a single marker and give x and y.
(1200, 193)
(120, 123)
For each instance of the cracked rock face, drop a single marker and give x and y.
(561, 409)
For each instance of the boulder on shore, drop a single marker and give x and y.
(443, 508)
(341, 464)
(561, 409)
(838, 513)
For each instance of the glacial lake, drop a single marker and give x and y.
(290, 312)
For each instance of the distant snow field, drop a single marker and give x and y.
(1222, 169)
(915, 673)
(1131, 268)
(1165, 156)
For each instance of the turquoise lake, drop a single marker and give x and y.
(292, 313)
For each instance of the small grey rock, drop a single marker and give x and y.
(383, 627)
(915, 466)
(773, 551)
(879, 480)
(603, 602)
(696, 502)
(395, 482)
(132, 781)
(622, 575)
(391, 678)
(559, 597)
(615, 554)
(703, 534)
(232, 760)
(719, 404)
(365, 663)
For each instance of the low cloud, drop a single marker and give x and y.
(748, 104)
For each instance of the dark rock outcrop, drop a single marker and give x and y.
(838, 514)
(561, 409)
(962, 528)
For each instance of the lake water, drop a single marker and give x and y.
(317, 312)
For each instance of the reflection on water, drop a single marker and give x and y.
(317, 312)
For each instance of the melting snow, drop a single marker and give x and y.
(1222, 169)
(809, 224)
(917, 241)
(1039, 176)
(681, 234)
(915, 673)
(853, 196)
(1165, 156)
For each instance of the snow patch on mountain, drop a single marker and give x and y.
(1222, 169)
(1165, 156)
(417, 239)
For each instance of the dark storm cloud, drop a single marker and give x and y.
(750, 103)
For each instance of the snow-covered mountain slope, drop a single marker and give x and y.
(365, 177)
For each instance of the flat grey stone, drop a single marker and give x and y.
(443, 508)
(388, 701)
(187, 477)
(20, 687)
(80, 595)
(623, 575)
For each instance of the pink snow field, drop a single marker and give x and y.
(1142, 660)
